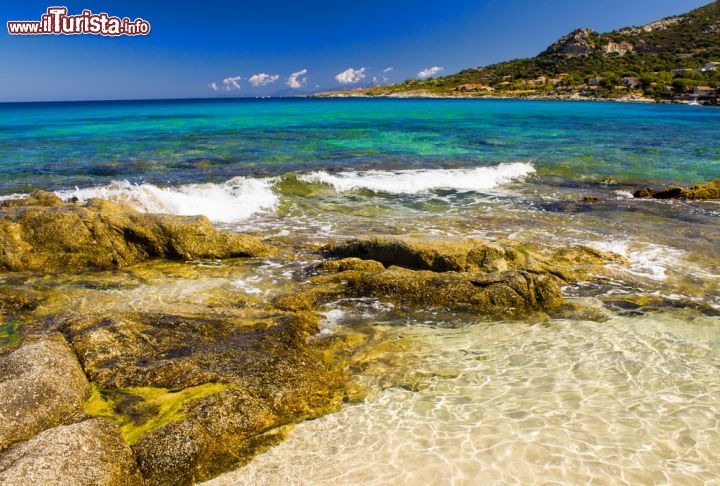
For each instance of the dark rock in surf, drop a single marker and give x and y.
(709, 191)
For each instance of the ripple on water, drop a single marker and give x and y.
(632, 400)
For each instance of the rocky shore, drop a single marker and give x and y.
(484, 96)
(178, 395)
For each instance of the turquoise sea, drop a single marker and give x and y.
(623, 389)
(60, 145)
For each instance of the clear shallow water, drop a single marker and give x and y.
(627, 402)
(631, 399)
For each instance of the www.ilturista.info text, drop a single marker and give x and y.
(57, 21)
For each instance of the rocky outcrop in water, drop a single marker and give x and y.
(492, 293)
(185, 396)
(708, 191)
(43, 233)
(494, 278)
(196, 395)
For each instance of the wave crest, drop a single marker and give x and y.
(422, 180)
(228, 202)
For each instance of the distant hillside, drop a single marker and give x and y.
(667, 59)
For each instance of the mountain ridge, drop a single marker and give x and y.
(665, 60)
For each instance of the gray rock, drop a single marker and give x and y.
(89, 452)
(41, 386)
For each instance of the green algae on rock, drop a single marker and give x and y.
(250, 375)
(15, 305)
(140, 410)
(39, 233)
(9, 332)
(88, 452)
(708, 191)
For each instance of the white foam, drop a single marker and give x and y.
(332, 318)
(420, 181)
(648, 261)
(246, 285)
(228, 202)
(10, 197)
(624, 195)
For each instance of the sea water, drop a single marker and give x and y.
(630, 397)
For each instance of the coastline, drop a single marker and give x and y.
(420, 95)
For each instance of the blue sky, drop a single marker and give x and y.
(193, 44)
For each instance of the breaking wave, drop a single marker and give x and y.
(419, 181)
(227, 202)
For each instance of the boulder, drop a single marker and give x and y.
(40, 234)
(708, 191)
(88, 452)
(462, 256)
(502, 278)
(41, 386)
(472, 256)
(335, 266)
(492, 293)
(196, 395)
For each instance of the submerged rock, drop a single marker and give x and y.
(40, 234)
(629, 304)
(709, 191)
(41, 386)
(17, 301)
(88, 452)
(254, 374)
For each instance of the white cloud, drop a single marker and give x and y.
(426, 73)
(213, 86)
(263, 79)
(388, 69)
(232, 83)
(295, 80)
(351, 76)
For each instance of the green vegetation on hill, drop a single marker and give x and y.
(589, 64)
